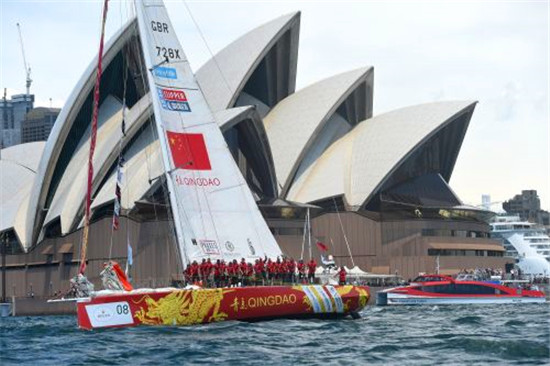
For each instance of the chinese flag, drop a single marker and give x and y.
(188, 151)
(322, 247)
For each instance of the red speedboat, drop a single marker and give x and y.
(437, 289)
(196, 306)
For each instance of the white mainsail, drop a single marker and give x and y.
(215, 214)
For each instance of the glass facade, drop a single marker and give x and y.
(465, 252)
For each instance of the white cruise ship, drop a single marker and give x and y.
(525, 241)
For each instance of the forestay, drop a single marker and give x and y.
(215, 214)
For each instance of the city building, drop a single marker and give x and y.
(12, 114)
(38, 123)
(376, 186)
(527, 206)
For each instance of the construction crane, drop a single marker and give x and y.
(27, 68)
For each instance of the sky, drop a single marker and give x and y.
(494, 52)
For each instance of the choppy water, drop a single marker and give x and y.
(503, 334)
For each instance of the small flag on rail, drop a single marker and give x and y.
(322, 247)
(118, 194)
(130, 259)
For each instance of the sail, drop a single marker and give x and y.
(215, 214)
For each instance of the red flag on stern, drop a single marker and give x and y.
(322, 247)
(189, 151)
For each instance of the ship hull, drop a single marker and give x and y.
(179, 307)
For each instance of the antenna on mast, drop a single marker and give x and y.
(27, 68)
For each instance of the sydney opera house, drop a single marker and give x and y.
(376, 184)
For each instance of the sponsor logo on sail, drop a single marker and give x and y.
(197, 182)
(165, 72)
(173, 100)
(209, 247)
(189, 153)
(229, 246)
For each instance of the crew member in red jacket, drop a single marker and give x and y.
(194, 272)
(243, 267)
(260, 271)
(217, 273)
(223, 274)
(342, 276)
(302, 271)
(233, 271)
(311, 267)
(271, 271)
(292, 270)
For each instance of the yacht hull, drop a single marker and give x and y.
(178, 307)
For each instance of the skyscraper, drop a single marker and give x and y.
(12, 114)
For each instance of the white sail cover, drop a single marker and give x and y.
(214, 211)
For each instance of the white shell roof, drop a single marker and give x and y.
(223, 77)
(295, 122)
(358, 163)
(27, 155)
(18, 165)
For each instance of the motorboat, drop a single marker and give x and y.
(443, 290)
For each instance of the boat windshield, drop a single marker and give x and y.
(461, 289)
(430, 278)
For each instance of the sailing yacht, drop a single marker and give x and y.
(525, 241)
(214, 213)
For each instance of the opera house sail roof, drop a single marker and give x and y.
(311, 145)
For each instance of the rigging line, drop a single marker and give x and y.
(124, 53)
(343, 232)
(309, 232)
(207, 46)
(250, 209)
(304, 238)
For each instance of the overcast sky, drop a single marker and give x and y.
(495, 52)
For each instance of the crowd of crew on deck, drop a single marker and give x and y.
(262, 272)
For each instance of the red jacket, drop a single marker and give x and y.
(311, 266)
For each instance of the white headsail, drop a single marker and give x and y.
(215, 214)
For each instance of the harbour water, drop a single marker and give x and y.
(415, 335)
